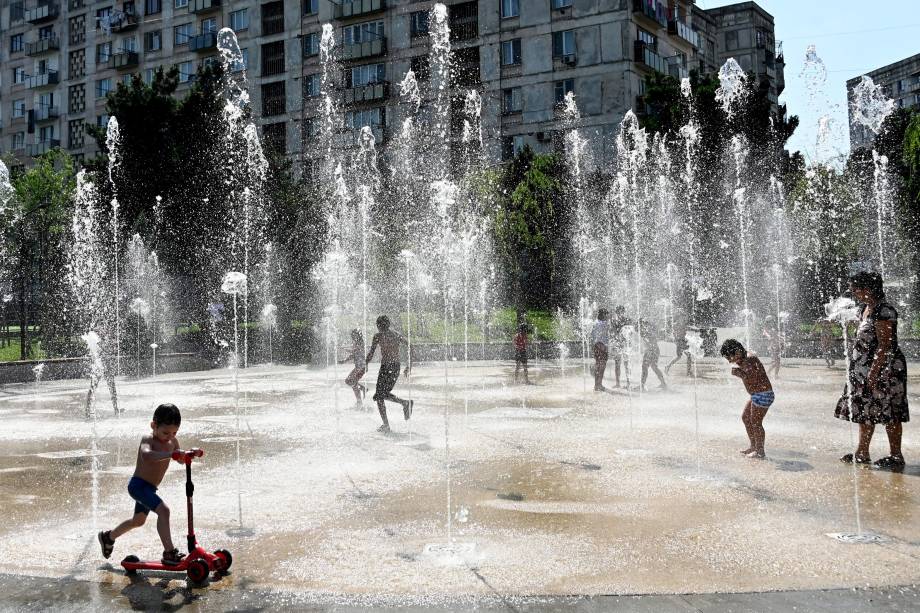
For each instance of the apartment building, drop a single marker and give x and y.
(899, 81)
(60, 59)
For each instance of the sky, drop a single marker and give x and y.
(852, 37)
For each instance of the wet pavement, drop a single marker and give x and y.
(553, 491)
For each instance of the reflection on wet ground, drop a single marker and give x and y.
(552, 491)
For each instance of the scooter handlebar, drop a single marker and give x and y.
(185, 457)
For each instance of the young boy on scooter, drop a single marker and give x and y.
(153, 455)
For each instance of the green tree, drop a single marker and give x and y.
(38, 218)
(909, 210)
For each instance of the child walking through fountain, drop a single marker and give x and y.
(750, 370)
(389, 342)
(520, 353)
(681, 348)
(651, 352)
(153, 455)
(600, 339)
(618, 341)
(360, 367)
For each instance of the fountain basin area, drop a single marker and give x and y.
(556, 493)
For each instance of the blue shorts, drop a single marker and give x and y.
(763, 399)
(144, 494)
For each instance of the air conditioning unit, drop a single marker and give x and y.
(570, 60)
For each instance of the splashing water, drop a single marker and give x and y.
(870, 105)
(733, 85)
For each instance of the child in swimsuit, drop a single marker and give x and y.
(750, 370)
(360, 366)
(520, 353)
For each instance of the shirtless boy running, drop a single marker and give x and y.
(389, 342)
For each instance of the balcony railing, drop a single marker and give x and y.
(371, 92)
(44, 146)
(202, 42)
(371, 48)
(46, 113)
(42, 13)
(124, 60)
(678, 71)
(651, 9)
(358, 8)
(646, 56)
(122, 22)
(681, 30)
(43, 79)
(43, 45)
(203, 6)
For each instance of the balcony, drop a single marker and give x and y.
(358, 8)
(681, 30)
(122, 22)
(372, 92)
(652, 11)
(41, 147)
(43, 79)
(646, 56)
(42, 13)
(124, 60)
(677, 70)
(359, 51)
(203, 42)
(46, 113)
(203, 6)
(43, 45)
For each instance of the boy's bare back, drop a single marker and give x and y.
(389, 343)
(752, 373)
(152, 471)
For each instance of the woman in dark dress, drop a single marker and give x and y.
(877, 391)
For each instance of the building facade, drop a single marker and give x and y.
(60, 58)
(899, 81)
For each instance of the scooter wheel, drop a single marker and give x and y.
(198, 571)
(131, 560)
(224, 560)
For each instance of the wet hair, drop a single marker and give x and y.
(356, 335)
(167, 414)
(730, 347)
(383, 322)
(523, 327)
(869, 281)
(603, 314)
(619, 309)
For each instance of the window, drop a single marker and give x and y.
(19, 141)
(19, 75)
(16, 43)
(153, 40)
(273, 17)
(186, 72)
(510, 8)
(103, 52)
(511, 146)
(149, 75)
(511, 100)
(46, 32)
(563, 88)
(418, 24)
(648, 38)
(311, 86)
(103, 87)
(274, 137)
(239, 20)
(46, 134)
(126, 79)
(129, 44)
(310, 7)
(19, 108)
(242, 63)
(209, 25)
(102, 121)
(75, 134)
(152, 7)
(564, 43)
(181, 34)
(273, 99)
(731, 40)
(362, 32)
(421, 66)
(311, 44)
(273, 58)
(560, 4)
(463, 20)
(181, 3)
(511, 52)
(104, 18)
(355, 120)
(364, 75)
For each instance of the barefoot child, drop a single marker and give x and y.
(600, 339)
(520, 353)
(153, 455)
(389, 342)
(751, 371)
(357, 356)
(651, 352)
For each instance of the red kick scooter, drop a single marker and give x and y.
(199, 563)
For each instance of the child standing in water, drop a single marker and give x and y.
(360, 366)
(600, 339)
(650, 353)
(774, 338)
(520, 353)
(681, 347)
(824, 328)
(750, 370)
(618, 342)
(389, 342)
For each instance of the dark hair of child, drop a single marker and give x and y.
(167, 414)
(603, 314)
(730, 347)
(869, 281)
(383, 322)
(356, 335)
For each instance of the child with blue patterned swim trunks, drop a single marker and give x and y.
(153, 456)
(750, 370)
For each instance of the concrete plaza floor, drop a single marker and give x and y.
(523, 497)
